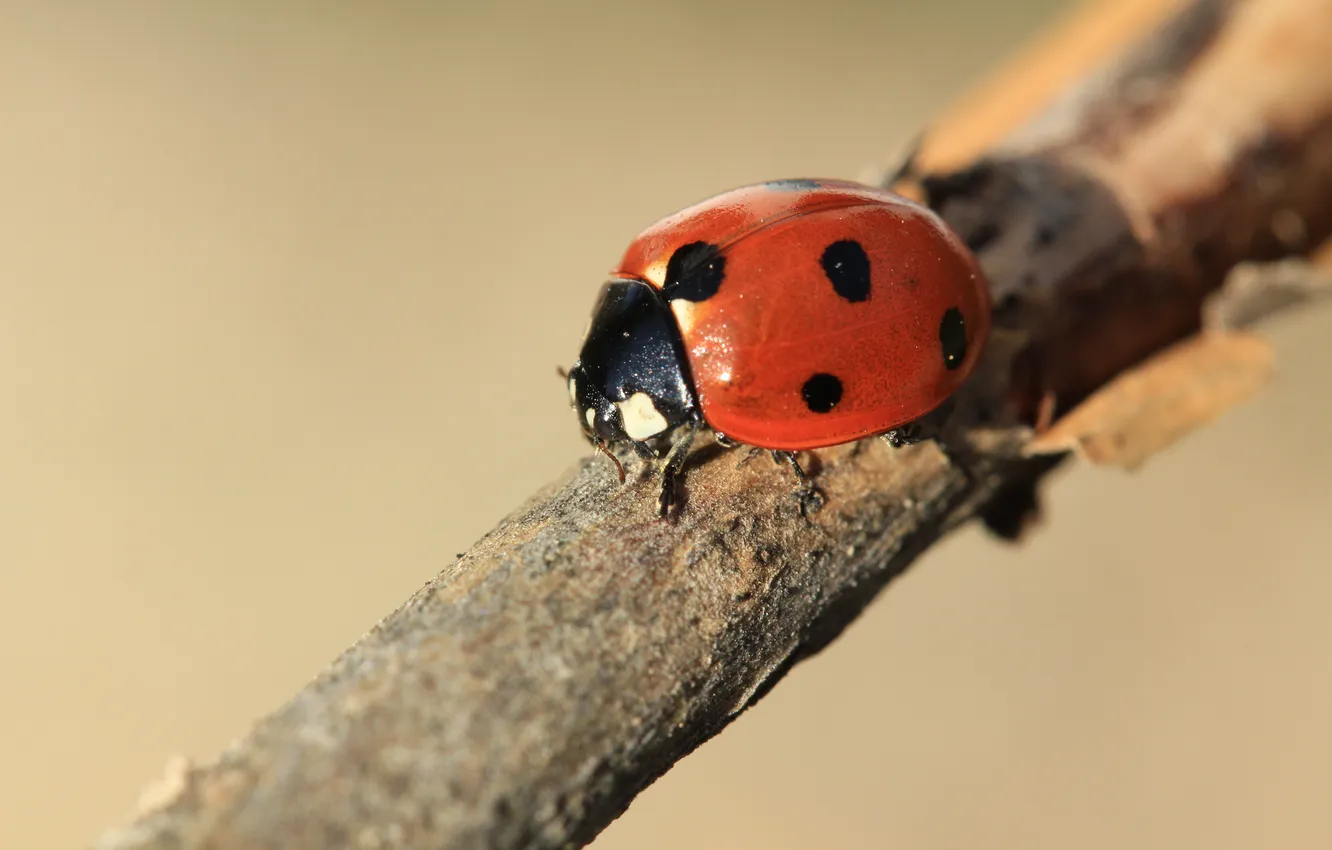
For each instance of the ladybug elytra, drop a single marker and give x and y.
(789, 315)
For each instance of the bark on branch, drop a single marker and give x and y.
(528, 693)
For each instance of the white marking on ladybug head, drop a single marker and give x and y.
(590, 416)
(684, 314)
(641, 417)
(573, 391)
(656, 273)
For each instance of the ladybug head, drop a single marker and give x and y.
(630, 382)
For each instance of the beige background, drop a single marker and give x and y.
(283, 287)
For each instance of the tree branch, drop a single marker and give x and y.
(529, 692)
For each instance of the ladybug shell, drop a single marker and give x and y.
(814, 313)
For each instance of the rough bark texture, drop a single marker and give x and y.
(523, 697)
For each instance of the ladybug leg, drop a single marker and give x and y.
(749, 455)
(643, 450)
(811, 498)
(905, 435)
(789, 458)
(670, 471)
(932, 427)
(928, 427)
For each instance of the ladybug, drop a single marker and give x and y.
(788, 315)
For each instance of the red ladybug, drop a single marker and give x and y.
(789, 315)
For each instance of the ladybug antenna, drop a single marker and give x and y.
(563, 373)
(619, 467)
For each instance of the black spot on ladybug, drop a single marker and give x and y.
(953, 338)
(848, 267)
(796, 185)
(694, 272)
(822, 392)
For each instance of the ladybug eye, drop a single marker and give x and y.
(694, 272)
(953, 338)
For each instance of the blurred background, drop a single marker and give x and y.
(283, 289)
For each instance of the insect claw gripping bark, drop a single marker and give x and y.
(811, 497)
(670, 471)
